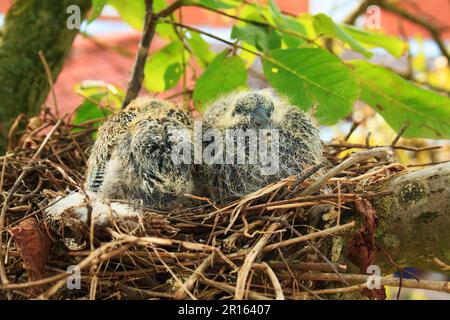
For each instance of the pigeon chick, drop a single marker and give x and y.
(291, 139)
(132, 157)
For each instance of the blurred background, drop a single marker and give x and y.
(104, 51)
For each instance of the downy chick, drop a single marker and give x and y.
(293, 141)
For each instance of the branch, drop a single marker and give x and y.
(358, 11)
(135, 83)
(415, 218)
(434, 31)
(172, 8)
(431, 28)
(441, 286)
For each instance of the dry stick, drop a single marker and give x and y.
(334, 290)
(317, 251)
(275, 282)
(354, 158)
(99, 253)
(355, 125)
(230, 289)
(247, 265)
(134, 86)
(12, 130)
(310, 236)
(190, 282)
(441, 264)
(182, 286)
(146, 294)
(62, 276)
(50, 81)
(2, 175)
(14, 188)
(442, 286)
(365, 146)
(400, 133)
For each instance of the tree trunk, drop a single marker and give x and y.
(32, 26)
(414, 222)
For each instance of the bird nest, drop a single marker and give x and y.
(284, 241)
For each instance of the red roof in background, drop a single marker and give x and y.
(436, 12)
(4, 5)
(88, 60)
(194, 15)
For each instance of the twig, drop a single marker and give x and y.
(190, 282)
(275, 282)
(50, 81)
(354, 158)
(13, 189)
(442, 286)
(230, 289)
(135, 83)
(400, 133)
(317, 251)
(358, 11)
(247, 265)
(354, 126)
(401, 147)
(434, 31)
(414, 18)
(442, 265)
(310, 236)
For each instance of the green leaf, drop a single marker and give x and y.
(325, 26)
(172, 75)
(276, 12)
(89, 110)
(97, 7)
(394, 45)
(132, 12)
(400, 102)
(164, 67)
(110, 96)
(199, 48)
(164, 30)
(313, 78)
(223, 75)
(216, 4)
(297, 34)
(261, 38)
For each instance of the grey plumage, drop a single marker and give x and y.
(299, 142)
(131, 158)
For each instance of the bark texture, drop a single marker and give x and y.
(414, 222)
(32, 26)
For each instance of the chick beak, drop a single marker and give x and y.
(261, 119)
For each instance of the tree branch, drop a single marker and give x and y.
(434, 31)
(357, 12)
(415, 219)
(431, 28)
(135, 83)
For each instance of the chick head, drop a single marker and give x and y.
(298, 145)
(241, 109)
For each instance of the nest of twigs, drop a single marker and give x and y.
(282, 242)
